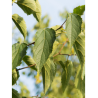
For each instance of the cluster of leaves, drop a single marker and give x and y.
(46, 56)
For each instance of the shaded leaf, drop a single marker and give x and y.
(20, 23)
(30, 7)
(15, 94)
(48, 73)
(15, 76)
(62, 64)
(18, 52)
(73, 27)
(66, 74)
(79, 83)
(79, 10)
(29, 61)
(79, 47)
(43, 46)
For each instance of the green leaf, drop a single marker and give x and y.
(58, 31)
(73, 27)
(62, 64)
(20, 23)
(30, 7)
(37, 14)
(79, 10)
(15, 94)
(80, 48)
(83, 72)
(51, 69)
(55, 46)
(18, 52)
(75, 93)
(66, 74)
(48, 73)
(15, 76)
(79, 83)
(43, 46)
(29, 61)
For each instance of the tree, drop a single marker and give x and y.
(51, 52)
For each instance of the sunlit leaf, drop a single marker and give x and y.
(29, 61)
(18, 52)
(55, 46)
(58, 31)
(20, 23)
(75, 93)
(43, 46)
(79, 47)
(66, 74)
(30, 7)
(15, 76)
(48, 73)
(83, 71)
(37, 77)
(15, 94)
(37, 14)
(79, 10)
(73, 27)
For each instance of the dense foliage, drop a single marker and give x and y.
(58, 54)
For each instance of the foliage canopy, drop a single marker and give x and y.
(53, 47)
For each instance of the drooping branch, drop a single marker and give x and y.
(61, 25)
(25, 67)
(31, 44)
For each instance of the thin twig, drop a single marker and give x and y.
(63, 45)
(61, 49)
(67, 54)
(25, 67)
(61, 25)
(31, 44)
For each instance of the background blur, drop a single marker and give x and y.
(53, 13)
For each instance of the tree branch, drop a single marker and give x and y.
(61, 25)
(55, 30)
(61, 49)
(31, 44)
(25, 67)
(68, 54)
